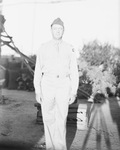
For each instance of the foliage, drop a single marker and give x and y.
(25, 82)
(98, 66)
(95, 53)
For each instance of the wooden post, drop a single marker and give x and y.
(2, 80)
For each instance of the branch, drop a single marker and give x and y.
(21, 54)
(6, 36)
(5, 42)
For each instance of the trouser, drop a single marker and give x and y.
(55, 110)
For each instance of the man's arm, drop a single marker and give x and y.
(37, 77)
(74, 75)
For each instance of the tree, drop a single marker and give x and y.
(97, 63)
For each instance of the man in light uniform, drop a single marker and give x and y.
(56, 83)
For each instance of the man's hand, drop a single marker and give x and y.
(72, 99)
(39, 98)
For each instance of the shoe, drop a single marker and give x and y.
(43, 145)
(40, 146)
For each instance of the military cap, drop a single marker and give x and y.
(58, 21)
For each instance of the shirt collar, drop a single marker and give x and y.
(57, 42)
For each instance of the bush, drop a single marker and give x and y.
(97, 65)
(13, 75)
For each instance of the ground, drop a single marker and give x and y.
(20, 131)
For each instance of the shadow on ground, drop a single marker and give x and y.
(114, 106)
(14, 146)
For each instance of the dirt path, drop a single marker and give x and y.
(19, 130)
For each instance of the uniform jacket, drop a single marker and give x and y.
(56, 60)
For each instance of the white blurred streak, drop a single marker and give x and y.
(18, 2)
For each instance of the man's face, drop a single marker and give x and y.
(57, 31)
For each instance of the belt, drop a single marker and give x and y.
(56, 76)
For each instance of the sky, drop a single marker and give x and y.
(28, 22)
